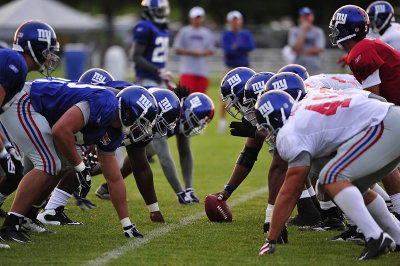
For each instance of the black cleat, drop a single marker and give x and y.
(55, 217)
(376, 247)
(8, 233)
(351, 234)
(283, 236)
(3, 214)
(131, 231)
(326, 225)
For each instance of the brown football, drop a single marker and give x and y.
(217, 210)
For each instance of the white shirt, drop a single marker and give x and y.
(392, 36)
(332, 81)
(324, 120)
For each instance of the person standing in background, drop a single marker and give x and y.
(307, 41)
(236, 44)
(194, 43)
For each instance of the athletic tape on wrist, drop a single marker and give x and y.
(80, 167)
(153, 207)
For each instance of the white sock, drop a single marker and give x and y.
(384, 218)
(326, 205)
(352, 204)
(311, 191)
(396, 202)
(3, 198)
(125, 222)
(378, 189)
(304, 194)
(57, 199)
(268, 213)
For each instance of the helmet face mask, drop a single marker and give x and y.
(158, 11)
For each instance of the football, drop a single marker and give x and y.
(217, 210)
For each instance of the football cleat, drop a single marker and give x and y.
(4, 246)
(131, 231)
(8, 233)
(189, 193)
(269, 247)
(389, 205)
(283, 236)
(352, 234)
(376, 247)
(102, 192)
(34, 226)
(3, 214)
(183, 199)
(326, 225)
(55, 217)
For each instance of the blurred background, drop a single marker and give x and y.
(86, 29)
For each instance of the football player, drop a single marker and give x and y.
(150, 45)
(62, 114)
(337, 126)
(34, 47)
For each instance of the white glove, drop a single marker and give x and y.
(165, 74)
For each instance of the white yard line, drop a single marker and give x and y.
(159, 232)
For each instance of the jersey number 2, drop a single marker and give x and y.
(329, 108)
(160, 52)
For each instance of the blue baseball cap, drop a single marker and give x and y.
(305, 11)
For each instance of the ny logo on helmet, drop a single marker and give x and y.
(280, 84)
(258, 87)
(195, 102)
(341, 18)
(99, 78)
(44, 35)
(234, 80)
(380, 9)
(266, 109)
(165, 105)
(144, 103)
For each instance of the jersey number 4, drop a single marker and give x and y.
(329, 108)
(161, 51)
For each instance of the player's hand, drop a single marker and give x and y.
(90, 158)
(157, 217)
(12, 166)
(269, 247)
(243, 129)
(181, 91)
(283, 237)
(342, 61)
(85, 180)
(165, 74)
(83, 203)
(223, 195)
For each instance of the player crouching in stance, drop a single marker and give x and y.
(63, 114)
(323, 123)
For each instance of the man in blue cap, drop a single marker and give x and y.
(307, 41)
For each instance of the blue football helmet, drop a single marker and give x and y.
(96, 76)
(381, 14)
(156, 10)
(272, 111)
(295, 68)
(38, 40)
(197, 112)
(289, 82)
(169, 110)
(232, 90)
(253, 89)
(137, 112)
(347, 22)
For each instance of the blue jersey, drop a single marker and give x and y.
(52, 98)
(236, 47)
(13, 71)
(156, 41)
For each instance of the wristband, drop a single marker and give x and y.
(80, 167)
(153, 207)
(3, 153)
(229, 189)
(8, 145)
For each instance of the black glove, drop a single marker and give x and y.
(85, 180)
(83, 203)
(243, 129)
(181, 91)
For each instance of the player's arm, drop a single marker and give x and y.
(372, 82)
(2, 96)
(276, 176)
(140, 60)
(287, 198)
(63, 134)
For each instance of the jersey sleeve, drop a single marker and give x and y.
(363, 62)
(288, 147)
(103, 108)
(142, 33)
(111, 141)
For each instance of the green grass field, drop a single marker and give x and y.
(188, 238)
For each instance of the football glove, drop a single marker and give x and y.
(269, 247)
(165, 74)
(131, 231)
(243, 129)
(83, 203)
(85, 180)
(283, 237)
(342, 61)
(13, 168)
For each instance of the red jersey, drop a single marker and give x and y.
(367, 56)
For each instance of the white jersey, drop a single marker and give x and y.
(392, 36)
(333, 81)
(324, 120)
